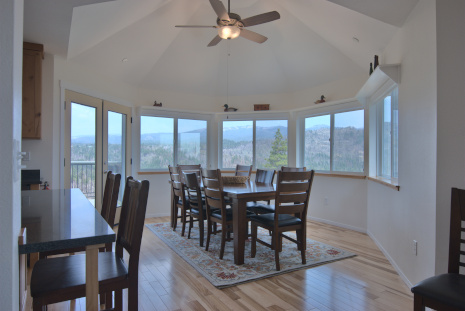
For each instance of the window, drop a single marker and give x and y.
(262, 143)
(335, 142)
(387, 134)
(159, 148)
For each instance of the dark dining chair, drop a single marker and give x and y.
(110, 202)
(243, 170)
(189, 168)
(293, 169)
(290, 213)
(180, 202)
(197, 204)
(262, 177)
(447, 291)
(63, 278)
(217, 213)
(173, 171)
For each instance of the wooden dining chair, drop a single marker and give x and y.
(110, 202)
(217, 213)
(243, 170)
(446, 291)
(197, 206)
(293, 169)
(262, 177)
(189, 168)
(290, 213)
(173, 171)
(63, 278)
(180, 201)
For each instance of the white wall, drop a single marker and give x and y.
(450, 115)
(11, 37)
(396, 218)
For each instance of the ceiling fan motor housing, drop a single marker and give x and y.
(234, 20)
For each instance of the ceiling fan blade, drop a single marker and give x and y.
(195, 26)
(215, 41)
(260, 19)
(253, 36)
(220, 10)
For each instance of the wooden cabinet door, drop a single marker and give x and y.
(32, 91)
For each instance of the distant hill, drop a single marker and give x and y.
(113, 139)
(243, 133)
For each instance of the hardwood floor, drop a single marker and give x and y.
(365, 282)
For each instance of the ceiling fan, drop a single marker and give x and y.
(230, 25)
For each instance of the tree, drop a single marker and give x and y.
(278, 153)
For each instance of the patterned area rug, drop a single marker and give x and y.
(224, 273)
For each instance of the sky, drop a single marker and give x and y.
(83, 121)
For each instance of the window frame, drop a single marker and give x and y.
(175, 115)
(378, 104)
(249, 117)
(331, 110)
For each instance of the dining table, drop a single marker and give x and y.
(62, 219)
(240, 194)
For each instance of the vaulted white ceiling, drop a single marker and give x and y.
(313, 43)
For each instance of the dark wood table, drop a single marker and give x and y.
(240, 195)
(62, 219)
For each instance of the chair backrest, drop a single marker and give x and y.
(131, 224)
(192, 168)
(194, 193)
(292, 193)
(173, 170)
(456, 242)
(110, 198)
(264, 176)
(178, 188)
(293, 169)
(243, 170)
(213, 188)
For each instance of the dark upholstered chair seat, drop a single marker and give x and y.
(283, 219)
(196, 210)
(260, 208)
(53, 274)
(229, 214)
(445, 288)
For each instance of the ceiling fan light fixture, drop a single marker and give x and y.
(229, 32)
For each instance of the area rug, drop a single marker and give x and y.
(224, 273)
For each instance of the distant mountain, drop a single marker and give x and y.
(112, 139)
(243, 133)
(317, 127)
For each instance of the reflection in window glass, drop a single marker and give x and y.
(192, 142)
(271, 144)
(386, 138)
(117, 147)
(156, 142)
(237, 143)
(348, 141)
(317, 144)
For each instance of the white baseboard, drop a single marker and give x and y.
(337, 224)
(393, 263)
(157, 215)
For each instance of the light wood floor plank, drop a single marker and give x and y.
(365, 282)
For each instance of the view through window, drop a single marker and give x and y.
(335, 142)
(270, 143)
(157, 144)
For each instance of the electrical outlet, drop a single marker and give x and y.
(415, 247)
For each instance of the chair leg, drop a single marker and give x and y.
(417, 303)
(223, 240)
(253, 248)
(37, 305)
(183, 220)
(175, 218)
(191, 224)
(201, 229)
(276, 240)
(209, 232)
(133, 296)
(119, 300)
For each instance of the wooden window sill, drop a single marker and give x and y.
(385, 181)
(352, 176)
